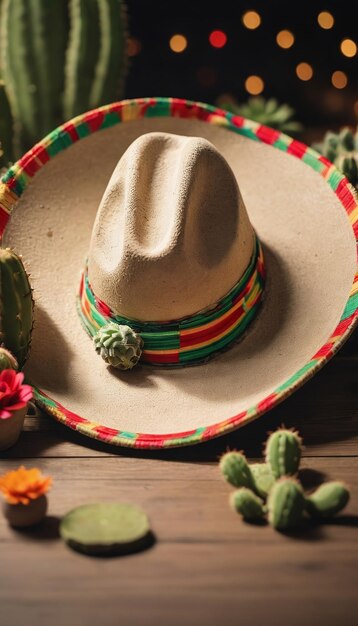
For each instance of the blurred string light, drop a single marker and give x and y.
(251, 20)
(325, 20)
(178, 43)
(217, 39)
(285, 39)
(339, 79)
(348, 48)
(134, 47)
(304, 71)
(254, 85)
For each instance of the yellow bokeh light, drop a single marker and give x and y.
(178, 43)
(254, 85)
(339, 79)
(304, 71)
(325, 20)
(251, 19)
(348, 48)
(285, 39)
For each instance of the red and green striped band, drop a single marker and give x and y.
(193, 339)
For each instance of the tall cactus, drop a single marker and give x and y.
(60, 58)
(16, 306)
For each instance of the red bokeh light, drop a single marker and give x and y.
(218, 39)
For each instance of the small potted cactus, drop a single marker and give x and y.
(14, 397)
(24, 491)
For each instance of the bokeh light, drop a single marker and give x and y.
(304, 71)
(285, 39)
(254, 85)
(348, 47)
(251, 20)
(134, 47)
(178, 43)
(325, 20)
(218, 38)
(339, 79)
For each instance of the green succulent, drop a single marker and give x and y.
(342, 149)
(267, 112)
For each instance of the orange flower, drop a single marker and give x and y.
(23, 485)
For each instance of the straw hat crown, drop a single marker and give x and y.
(171, 235)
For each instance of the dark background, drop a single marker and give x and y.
(204, 73)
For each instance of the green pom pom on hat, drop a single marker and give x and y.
(119, 345)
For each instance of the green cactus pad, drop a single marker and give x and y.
(106, 529)
(118, 345)
(263, 478)
(16, 306)
(248, 504)
(286, 504)
(283, 452)
(327, 500)
(269, 112)
(236, 470)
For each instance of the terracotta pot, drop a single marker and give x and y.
(11, 428)
(22, 515)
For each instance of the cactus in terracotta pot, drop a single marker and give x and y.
(59, 59)
(24, 492)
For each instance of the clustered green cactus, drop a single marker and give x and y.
(272, 491)
(16, 309)
(268, 112)
(58, 59)
(342, 149)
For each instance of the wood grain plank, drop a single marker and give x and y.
(206, 566)
(325, 411)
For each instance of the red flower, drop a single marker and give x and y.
(13, 394)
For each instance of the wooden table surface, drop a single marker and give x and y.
(206, 566)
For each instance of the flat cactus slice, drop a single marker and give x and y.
(283, 452)
(263, 478)
(236, 470)
(286, 504)
(106, 529)
(248, 504)
(16, 306)
(327, 500)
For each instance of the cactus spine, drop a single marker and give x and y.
(285, 504)
(327, 500)
(283, 452)
(250, 506)
(38, 39)
(16, 306)
(236, 470)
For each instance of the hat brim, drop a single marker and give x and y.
(305, 214)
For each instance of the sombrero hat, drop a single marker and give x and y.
(227, 250)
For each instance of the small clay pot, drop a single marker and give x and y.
(23, 515)
(11, 428)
